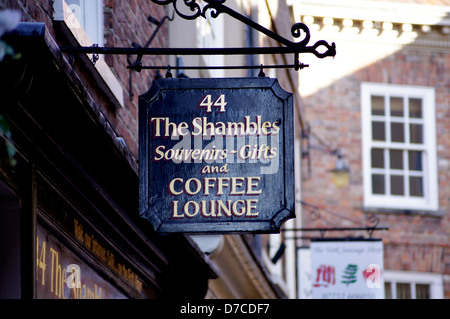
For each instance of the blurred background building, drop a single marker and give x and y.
(69, 185)
(69, 173)
(383, 102)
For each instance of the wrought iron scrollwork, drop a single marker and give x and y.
(217, 7)
(214, 8)
(372, 222)
(194, 7)
(296, 33)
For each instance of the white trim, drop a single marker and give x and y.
(429, 174)
(375, 10)
(94, 21)
(63, 13)
(435, 281)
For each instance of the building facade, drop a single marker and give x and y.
(69, 176)
(69, 186)
(383, 102)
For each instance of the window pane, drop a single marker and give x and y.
(396, 159)
(396, 106)
(416, 186)
(377, 103)
(415, 108)
(415, 160)
(403, 291)
(422, 291)
(387, 290)
(397, 185)
(397, 132)
(416, 133)
(75, 7)
(378, 133)
(378, 158)
(378, 184)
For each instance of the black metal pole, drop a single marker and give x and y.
(218, 67)
(196, 51)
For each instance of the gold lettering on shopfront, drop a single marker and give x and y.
(92, 244)
(56, 280)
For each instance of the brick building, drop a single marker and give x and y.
(69, 185)
(384, 103)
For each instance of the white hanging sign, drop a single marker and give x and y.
(347, 269)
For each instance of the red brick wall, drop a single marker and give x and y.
(413, 242)
(125, 22)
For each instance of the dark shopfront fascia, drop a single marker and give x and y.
(72, 198)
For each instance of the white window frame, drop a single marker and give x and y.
(429, 201)
(90, 16)
(87, 32)
(84, 18)
(435, 281)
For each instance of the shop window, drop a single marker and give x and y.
(399, 147)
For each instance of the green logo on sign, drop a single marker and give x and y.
(349, 276)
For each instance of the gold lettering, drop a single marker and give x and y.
(159, 151)
(240, 212)
(216, 208)
(157, 127)
(40, 261)
(207, 184)
(197, 126)
(110, 259)
(224, 208)
(251, 204)
(54, 263)
(212, 209)
(251, 184)
(78, 231)
(98, 249)
(175, 210)
(236, 182)
(172, 190)
(187, 186)
(221, 184)
(195, 206)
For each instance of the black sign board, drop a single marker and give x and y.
(216, 155)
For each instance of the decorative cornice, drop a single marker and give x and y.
(389, 11)
(387, 22)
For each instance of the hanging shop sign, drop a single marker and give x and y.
(347, 269)
(216, 155)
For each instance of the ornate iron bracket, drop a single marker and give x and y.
(137, 65)
(322, 231)
(371, 226)
(216, 7)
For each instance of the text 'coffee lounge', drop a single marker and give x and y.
(218, 155)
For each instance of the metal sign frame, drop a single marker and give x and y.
(192, 10)
(234, 191)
